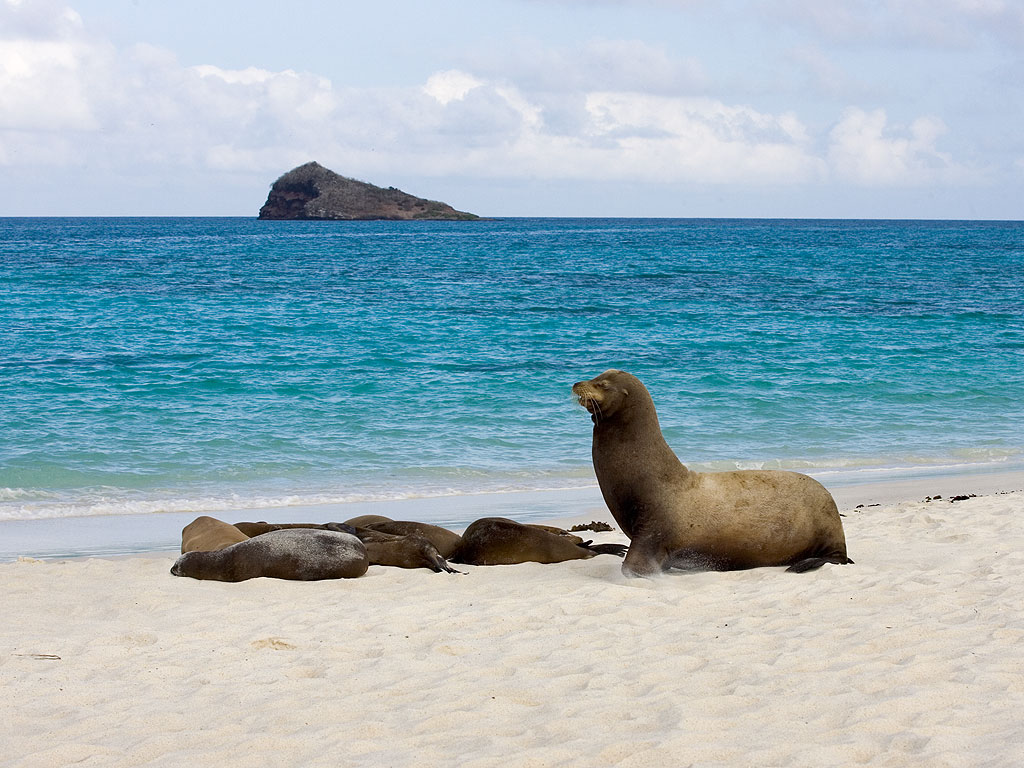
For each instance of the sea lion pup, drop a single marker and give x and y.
(287, 554)
(409, 551)
(208, 534)
(499, 541)
(675, 517)
(400, 551)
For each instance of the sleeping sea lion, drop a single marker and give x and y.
(500, 541)
(286, 554)
(675, 517)
(409, 551)
(208, 534)
(383, 548)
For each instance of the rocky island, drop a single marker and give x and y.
(314, 192)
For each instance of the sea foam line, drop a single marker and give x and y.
(29, 504)
(203, 505)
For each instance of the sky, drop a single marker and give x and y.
(678, 108)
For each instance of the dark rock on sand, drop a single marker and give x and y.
(594, 525)
(314, 192)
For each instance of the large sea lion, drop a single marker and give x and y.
(500, 541)
(309, 555)
(208, 534)
(675, 517)
(409, 550)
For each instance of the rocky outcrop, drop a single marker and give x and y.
(314, 192)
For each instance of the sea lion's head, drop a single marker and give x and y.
(186, 564)
(611, 393)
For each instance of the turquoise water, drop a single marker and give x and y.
(185, 365)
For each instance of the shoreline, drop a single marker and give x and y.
(137, 534)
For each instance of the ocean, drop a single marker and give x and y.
(207, 365)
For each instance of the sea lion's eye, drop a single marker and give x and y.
(603, 384)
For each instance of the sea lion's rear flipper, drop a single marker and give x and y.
(813, 563)
(442, 565)
(618, 550)
(434, 560)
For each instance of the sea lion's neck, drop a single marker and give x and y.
(631, 455)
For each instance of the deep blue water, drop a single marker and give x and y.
(204, 364)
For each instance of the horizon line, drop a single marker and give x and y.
(486, 218)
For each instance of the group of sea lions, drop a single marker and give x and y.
(673, 516)
(219, 551)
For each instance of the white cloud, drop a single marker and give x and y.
(32, 73)
(67, 98)
(864, 149)
(248, 76)
(620, 110)
(450, 86)
(47, 68)
(704, 140)
(143, 107)
(37, 20)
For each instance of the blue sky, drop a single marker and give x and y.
(817, 108)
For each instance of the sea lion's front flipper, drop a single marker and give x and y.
(608, 549)
(814, 563)
(641, 561)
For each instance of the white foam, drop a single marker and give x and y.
(92, 505)
(28, 504)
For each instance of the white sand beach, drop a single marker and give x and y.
(914, 656)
